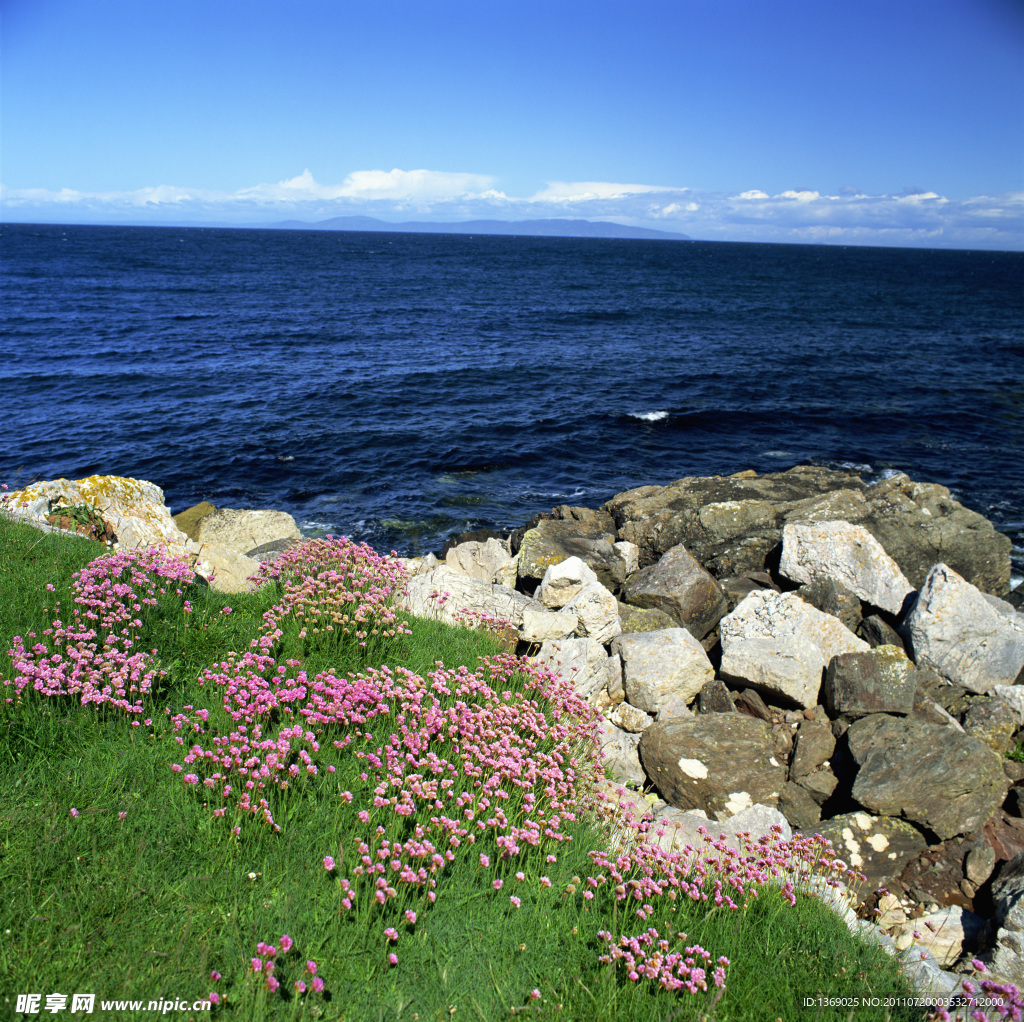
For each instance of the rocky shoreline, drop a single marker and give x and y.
(796, 648)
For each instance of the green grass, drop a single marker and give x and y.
(147, 906)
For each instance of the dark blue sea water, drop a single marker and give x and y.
(403, 388)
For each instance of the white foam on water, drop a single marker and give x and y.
(648, 416)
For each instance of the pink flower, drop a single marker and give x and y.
(300, 987)
(214, 997)
(215, 976)
(391, 933)
(286, 943)
(311, 968)
(317, 985)
(410, 915)
(393, 959)
(515, 901)
(272, 983)
(328, 863)
(484, 861)
(74, 812)
(497, 885)
(121, 815)
(257, 965)
(534, 994)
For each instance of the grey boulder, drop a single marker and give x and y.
(721, 763)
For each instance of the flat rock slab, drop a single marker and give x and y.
(445, 594)
(847, 554)
(878, 847)
(781, 645)
(955, 630)
(933, 776)
(721, 763)
(882, 680)
(678, 586)
(244, 530)
(660, 667)
(674, 829)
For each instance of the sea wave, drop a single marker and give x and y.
(649, 416)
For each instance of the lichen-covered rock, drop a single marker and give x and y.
(186, 520)
(644, 619)
(779, 644)
(878, 847)
(629, 718)
(714, 697)
(993, 722)
(882, 680)
(720, 763)
(799, 808)
(956, 631)
(134, 507)
(658, 667)
(847, 554)
(732, 524)
(552, 541)
(681, 588)
(619, 753)
(674, 829)
(948, 782)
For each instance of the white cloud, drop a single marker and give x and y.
(588, 191)
(912, 217)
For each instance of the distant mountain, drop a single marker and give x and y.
(529, 228)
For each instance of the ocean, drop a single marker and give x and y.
(404, 388)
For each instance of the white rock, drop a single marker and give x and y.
(957, 632)
(447, 595)
(598, 612)
(630, 554)
(778, 643)
(619, 752)
(679, 828)
(541, 625)
(583, 662)
(479, 560)
(562, 581)
(227, 570)
(661, 667)
(847, 554)
(135, 508)
(629, 718)
(244, 530)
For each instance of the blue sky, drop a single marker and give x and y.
(893, 122)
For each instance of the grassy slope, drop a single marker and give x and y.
(148, 905)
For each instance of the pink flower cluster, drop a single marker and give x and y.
(335, 591)
(269, 958)
(649, 956)
(93, 656)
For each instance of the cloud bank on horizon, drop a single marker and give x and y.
(913, 217)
